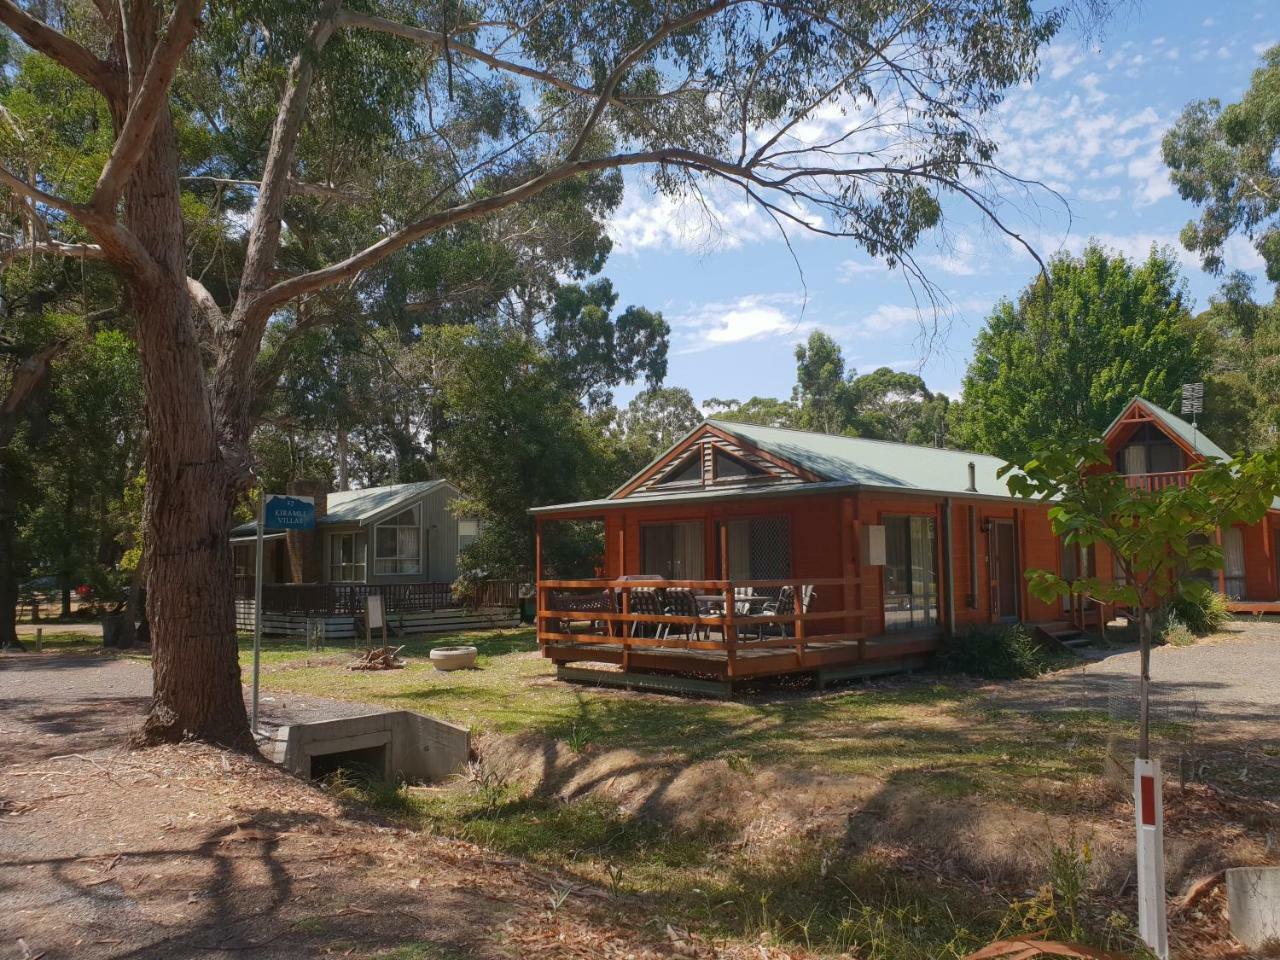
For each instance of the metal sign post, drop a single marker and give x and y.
(285, 512)
(1149, 801)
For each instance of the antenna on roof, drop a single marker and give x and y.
(1193, 403)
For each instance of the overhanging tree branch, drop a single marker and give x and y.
(63, 50)
(146, 105)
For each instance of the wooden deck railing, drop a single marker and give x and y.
(348, 599)
(1155, 482)
(602, 611)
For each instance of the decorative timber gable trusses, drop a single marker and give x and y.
(712, 458)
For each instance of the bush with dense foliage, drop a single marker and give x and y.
(996, 653)
(1202, 614)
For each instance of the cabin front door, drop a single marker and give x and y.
(1004, 570)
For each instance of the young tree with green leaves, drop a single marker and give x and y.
(1158, 539)
(393, 122)
(1057, 364)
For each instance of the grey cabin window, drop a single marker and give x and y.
(397, 544)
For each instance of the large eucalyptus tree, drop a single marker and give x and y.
(850, 118)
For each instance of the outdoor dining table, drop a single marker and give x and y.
(713, 603)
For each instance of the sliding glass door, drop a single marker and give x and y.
(672, 550)
(910, 573)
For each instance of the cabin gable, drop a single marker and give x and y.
(1140, 442)
(712, 459)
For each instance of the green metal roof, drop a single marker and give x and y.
(1191, 436)
(842, 463)
(876, 463)
(359, 506)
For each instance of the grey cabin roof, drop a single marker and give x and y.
(359, 506)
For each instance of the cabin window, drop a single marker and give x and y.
(728, 467)
(910, 573)
(759, 548)
(468, 532)
(397, 544)
(1233, 562)
(690, 471)
(346, 557)
(672, 550)
(1149, 451)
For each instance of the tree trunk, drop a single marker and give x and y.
(187, 522)
(192, 473)
(1144, 684)
(8, 579)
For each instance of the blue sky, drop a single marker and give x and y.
(1090, 127)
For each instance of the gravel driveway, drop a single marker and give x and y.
(76, 702)
(1234, 676)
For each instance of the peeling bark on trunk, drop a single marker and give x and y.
(191, 484)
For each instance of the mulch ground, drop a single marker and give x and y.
(186, 851)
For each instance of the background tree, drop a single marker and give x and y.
(656, 419)
(821, 392)
(1222, 159)
(764, 411)
(895, 405)
(1060, 362)
(1242, 387)
(427, 121)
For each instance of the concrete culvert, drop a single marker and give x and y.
(393, 745)
(453, 658)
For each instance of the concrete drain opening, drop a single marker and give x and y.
(393, 746)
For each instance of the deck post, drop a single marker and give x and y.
(627, 628)
(730, 629)
(797, 608)
(1222, 570)
(539, 602)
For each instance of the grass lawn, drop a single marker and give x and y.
(940, 734)
(60, 641)
(935, 740)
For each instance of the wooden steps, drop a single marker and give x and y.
(1062, 633)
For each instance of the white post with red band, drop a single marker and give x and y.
(1147, 794)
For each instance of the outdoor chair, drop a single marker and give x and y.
(647, 603)
(784, 606)
(681, 603)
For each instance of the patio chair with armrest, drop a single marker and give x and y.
(681, 603)
(785, 606)
(646, 602)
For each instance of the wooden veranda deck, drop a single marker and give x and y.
(593, 621)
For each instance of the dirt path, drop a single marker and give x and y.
(185, 851)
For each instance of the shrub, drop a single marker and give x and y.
(996, 653)
(1177, 634)
(1202, 614)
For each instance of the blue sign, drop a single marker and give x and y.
(284, 512)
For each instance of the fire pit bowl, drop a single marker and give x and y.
(453, 658)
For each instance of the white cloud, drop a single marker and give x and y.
(853, 268)
(1061, 59)
(657, 221)
(1264, 46)
(1091, 82)
(751, 317)
(1208, 22)
(1152, 176)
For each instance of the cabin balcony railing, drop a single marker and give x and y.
(1155, 482)
(348, 599)
(716, 616)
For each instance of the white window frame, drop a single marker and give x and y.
(468, 532)
(401, 562)
(352, 571)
